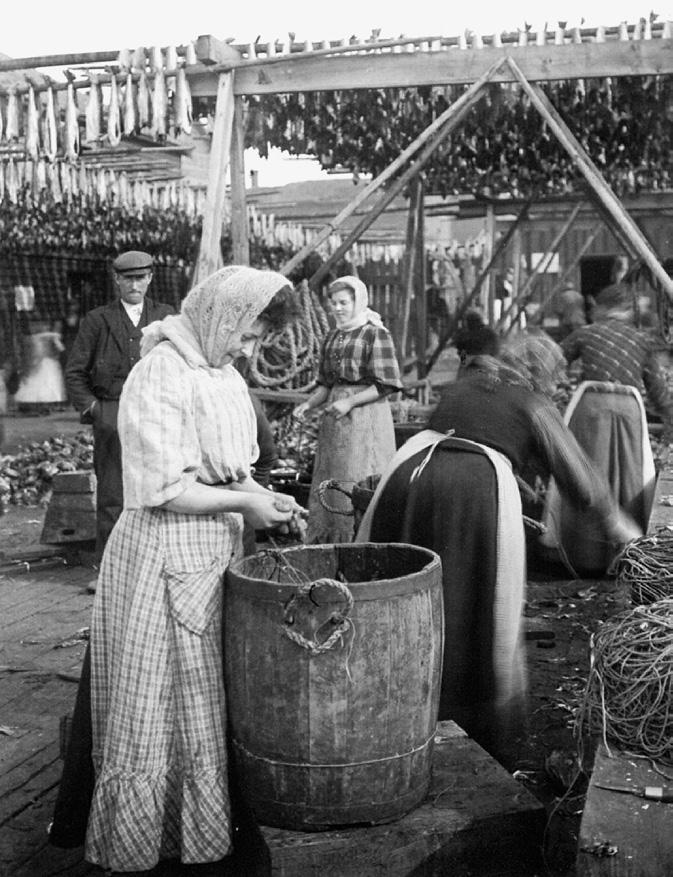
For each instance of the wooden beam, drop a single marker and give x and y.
(211, 51)
(210, 251)
(592, 175)
(420, 297)
(445, 67)
(240, 234)
(520, 301)
(457, 109)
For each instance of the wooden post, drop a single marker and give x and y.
(488, 254)
(411, 258)
(457, 108)
(240, 232)
(519, 302)
(593, 177)
(210, 252)
(420, 296)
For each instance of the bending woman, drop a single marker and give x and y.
(452, 488)
(356, 438)
(187, 430)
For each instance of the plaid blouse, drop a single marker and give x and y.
(612, 351)
(364, 355)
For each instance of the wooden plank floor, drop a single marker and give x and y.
(43, 614)
(622, 835)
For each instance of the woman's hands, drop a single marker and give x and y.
(300, 411)
(267, 510)
(339, 408)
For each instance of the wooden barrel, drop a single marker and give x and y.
(333, 655)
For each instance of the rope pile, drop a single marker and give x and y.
(287, 360)
(646, 567)
(629, 692)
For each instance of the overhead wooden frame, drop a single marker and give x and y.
(365, 67)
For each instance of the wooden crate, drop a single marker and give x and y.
(71, 513)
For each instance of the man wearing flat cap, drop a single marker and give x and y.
(105, 350)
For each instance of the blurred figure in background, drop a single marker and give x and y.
(607, 416)
(42, 385)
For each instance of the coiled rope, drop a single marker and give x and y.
(629, 692)
(645, 566)
(287, 360)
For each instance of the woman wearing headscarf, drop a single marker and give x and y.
(452, 488)
(358, 369)
(188, 435)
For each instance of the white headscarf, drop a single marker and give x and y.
(362, 313)
(224, 304)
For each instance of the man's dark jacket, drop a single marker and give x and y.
(105, 350)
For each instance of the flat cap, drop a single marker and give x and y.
(133, 260)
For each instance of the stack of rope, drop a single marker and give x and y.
(629, 693)
(645, 566)
(287, 360)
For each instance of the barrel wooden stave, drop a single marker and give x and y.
(345, 736)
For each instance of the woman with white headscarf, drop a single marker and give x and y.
(358, 368)
(188, 436)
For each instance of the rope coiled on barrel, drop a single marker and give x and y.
(342, 624)
(629, 691)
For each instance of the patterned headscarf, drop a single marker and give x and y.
(362, 313)
(539, 358)
(214, 311)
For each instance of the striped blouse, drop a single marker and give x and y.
(364, 355)
(178, 425)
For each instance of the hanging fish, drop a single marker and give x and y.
(171, 59)
(190, 54)
(64, 174)
(113, 120)
(129, 108)
(138, 59)
(156, 59)
(50, 141)
(124, 60)
(12, 181)
(53, 182)
(71, 125)
(143, 102)
(83, 180)
(123, 189)
(159, 107)
(183, 103)
(101, 184)
(40, 175)
(12, 126)
(1, 126)
(32, 127)
(93, 113)
(2, 182)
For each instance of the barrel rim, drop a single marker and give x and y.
(427, 576)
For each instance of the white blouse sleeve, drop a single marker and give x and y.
(161, 454)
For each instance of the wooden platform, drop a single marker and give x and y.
(622, 835)
(475, 819)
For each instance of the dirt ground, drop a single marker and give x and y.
(560, 614)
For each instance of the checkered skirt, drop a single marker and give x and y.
(158, 704)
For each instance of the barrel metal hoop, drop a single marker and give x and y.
(348, 764)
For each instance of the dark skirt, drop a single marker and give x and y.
(608, 421)
(452, 508)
